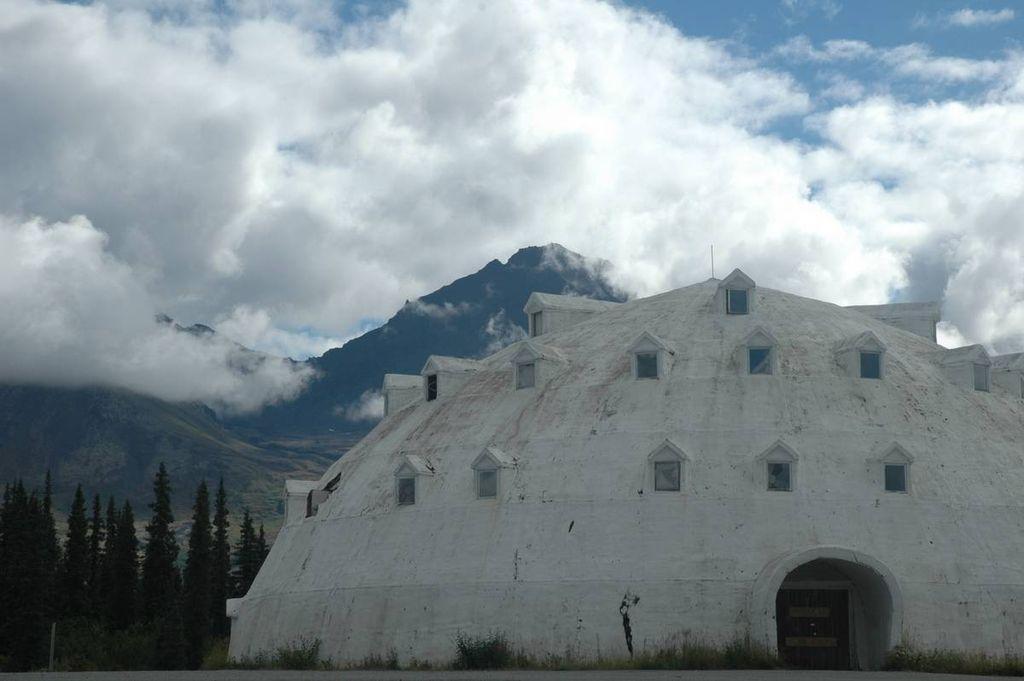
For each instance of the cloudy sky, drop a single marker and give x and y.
(291, 171)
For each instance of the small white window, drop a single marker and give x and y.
(486, 483)
(780, 476)
(736, 301)
(487, 471)
(895, 477)
(981, 377)
(666, 464)
(870, 364)
(759, 360)
(431, 387)
(647, 365)
(536, 324)
(526, 375)
(406, 491)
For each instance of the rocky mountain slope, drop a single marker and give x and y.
(111, 441)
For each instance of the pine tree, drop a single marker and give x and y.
(74, 570)
(196, 582)
(123, 566)
(96, 533)
(246, 564)
(220, 566)
(159, 573)
(50, 550)
(106, 585)
(24, 579)
(160, 578)
(262, 550)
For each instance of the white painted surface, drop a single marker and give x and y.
(576, 525)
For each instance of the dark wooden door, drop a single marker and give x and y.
(814, 628)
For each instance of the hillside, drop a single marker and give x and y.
(468, 318)
(111, 440)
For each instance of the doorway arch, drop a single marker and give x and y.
(875, 599)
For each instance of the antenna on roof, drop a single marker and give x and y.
(712, 261)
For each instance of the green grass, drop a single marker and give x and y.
(494, 651)
(908, 658)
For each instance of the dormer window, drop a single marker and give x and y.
(757, 353)
(736, 301)
(981, 377)
(870, 364)
(779, 463)
(487, 469)
(407, 475)
(650, 356)
(526, 375)
(862, 356)
(536, 324)
(646, 365)
(666, 467)
(895, 471)
(735, 294)
(431, 381)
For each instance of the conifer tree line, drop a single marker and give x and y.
(118, 600)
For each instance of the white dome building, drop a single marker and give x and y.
(721, 461)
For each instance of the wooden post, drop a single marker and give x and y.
(53, 640)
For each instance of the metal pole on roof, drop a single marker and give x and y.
(712, 261)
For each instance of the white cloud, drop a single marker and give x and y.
(257, 175)
(502, 331)
(445, 311)
(255, 329)
(965, 18)
(369, 407)
(72, 314)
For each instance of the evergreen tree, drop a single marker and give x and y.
(246, 565)
(159, 573)
(123, 568)
(50, 549)
(96, 532)
(196, 583)
(160, 578)
(169, 646)
(24, 576)
(106, 585)
(220, 566)
(74, 569)
(262, 550)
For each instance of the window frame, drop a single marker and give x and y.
(906, 476)
(431, 385)
(533, 376)
(860, 364)
(536, 323)
(478, 475)
(657, 365)
(399, 479)
(679, 474)
(790, 477)
(769, 360)
(987, 374)
(729, 301)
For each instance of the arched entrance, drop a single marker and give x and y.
(827, 607)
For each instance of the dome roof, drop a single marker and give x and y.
(574, 515)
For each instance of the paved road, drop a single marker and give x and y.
(630, 675)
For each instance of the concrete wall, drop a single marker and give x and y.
(577, 527)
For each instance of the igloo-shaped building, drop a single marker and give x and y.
(720, 461)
